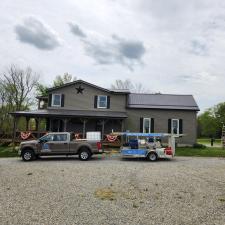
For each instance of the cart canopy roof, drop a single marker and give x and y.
(144, 134)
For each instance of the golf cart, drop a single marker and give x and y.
(147, 145)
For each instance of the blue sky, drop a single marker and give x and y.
(171, 46)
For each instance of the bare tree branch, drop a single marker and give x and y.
(128, 85)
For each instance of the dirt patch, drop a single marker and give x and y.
(105, 194)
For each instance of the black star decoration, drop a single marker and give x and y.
(80, 90)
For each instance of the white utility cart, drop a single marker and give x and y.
(147, 145)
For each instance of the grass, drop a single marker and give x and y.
(207, 152)
(180, 151)
(7, 152)
(206, 141)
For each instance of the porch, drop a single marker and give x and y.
(38, 123)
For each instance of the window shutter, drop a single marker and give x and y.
(152, 125)
(180, 126)
(169, 126)
(95, 101)
(49, 100)
(62, 100)
(108, 102)
(141, 124)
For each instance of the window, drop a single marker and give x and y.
(56, 100)
(146, 125)
(53, 137)
(175, 126)
(102, 101)
(59, 137)
(46, 138)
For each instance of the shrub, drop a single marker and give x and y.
(197, 145)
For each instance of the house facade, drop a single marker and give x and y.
(80, 107)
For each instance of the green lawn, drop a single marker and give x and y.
(206, 141)
(7, 152)
(184, 151)
(207, 152)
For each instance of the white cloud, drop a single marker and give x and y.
(35, 32)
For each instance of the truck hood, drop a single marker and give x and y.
(29, 142)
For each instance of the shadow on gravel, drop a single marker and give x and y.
(144, 160)
(102, 157)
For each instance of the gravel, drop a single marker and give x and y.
(63, 191)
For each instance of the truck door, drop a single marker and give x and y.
(55, 144)
(59, 144)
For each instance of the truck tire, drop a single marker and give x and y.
(152, 156)
(84, 154)
(28, 155)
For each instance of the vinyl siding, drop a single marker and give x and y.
(85, 101)
(161, 117)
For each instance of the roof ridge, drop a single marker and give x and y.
(161, 94)
(89, 84)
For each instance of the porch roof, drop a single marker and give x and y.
(71, 113)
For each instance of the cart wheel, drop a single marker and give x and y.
(152, 156)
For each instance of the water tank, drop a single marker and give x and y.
(95, 135)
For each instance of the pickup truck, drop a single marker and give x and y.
(60, 143)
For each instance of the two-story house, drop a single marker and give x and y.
(80, 106)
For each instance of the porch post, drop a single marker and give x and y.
(65, 124)
(103, 128)
(27, 123)
(84, 127)
(47, 121)
(122, 125)
(14, 130)
(58, 127)
(38, 126)
(50, 124)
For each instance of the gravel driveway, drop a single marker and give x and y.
(63, 191)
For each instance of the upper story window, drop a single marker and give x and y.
(102, 101)
(56, 99)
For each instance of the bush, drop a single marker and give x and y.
(197, 145)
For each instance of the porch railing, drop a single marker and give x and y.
(108, 140)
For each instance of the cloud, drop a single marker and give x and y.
(76, 30)
(198, 48)
(200, 78)
(114, 50)
(36, 33)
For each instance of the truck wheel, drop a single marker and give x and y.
(152, 156)
(84, 154)
(28, 155)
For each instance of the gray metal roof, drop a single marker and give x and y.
(162, 101)
(71, 113)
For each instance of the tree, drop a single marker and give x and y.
(207, 124)
(210, 122)
(18, 85)
(64, 79)
(42, 90)
(132, 87)
(16, 93)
